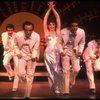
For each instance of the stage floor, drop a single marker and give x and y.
(41, 90)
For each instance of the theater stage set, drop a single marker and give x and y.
(88, 14)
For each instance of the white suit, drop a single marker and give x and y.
(88, 56)
(28, 48)
(79, 44)
(8, 42)
(69, 42)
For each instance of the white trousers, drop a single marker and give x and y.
(8, 67)
(69, 76)
(27, 69)
(90, 74)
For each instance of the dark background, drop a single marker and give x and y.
(87, 12)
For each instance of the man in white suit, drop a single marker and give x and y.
(9, 53)
(89, 57)
(78, 48)
(27, 42)
(73, 41)
(67, 43)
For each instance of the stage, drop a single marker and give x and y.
(41, 90)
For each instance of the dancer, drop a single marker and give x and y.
(73, 41)
(10, 53)
(53, 48)
(27, 42)
(78, 48)
(90, 55)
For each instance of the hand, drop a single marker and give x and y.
(51, 4)
(34, 59)
(78, 54)
(74, 50)
(19, 56)
(98, 55)
(62, 54)
(6, 49)
(94, 57)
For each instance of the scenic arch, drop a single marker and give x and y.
(19, 18)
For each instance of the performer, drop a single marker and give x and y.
(68, 43)
(98, 48)
(73, 41)
(53, 48)
(78, 48)
(27, 42)
(90, 57)
(9, 53)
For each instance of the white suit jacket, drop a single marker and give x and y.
(68, 41)
(5, 41)
(34, 44)
(79, 40)
(90, 50)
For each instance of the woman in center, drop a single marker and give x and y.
(53, 48)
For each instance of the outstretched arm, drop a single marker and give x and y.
(45, 21)
(57, 20)
(57, 17)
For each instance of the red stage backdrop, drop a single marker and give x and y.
(18, 19)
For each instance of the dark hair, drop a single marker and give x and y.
(10, 26)
(28, 23)
(74, 21)
(52, 20)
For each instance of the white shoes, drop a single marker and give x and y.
(57, 91)
(14, 89)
